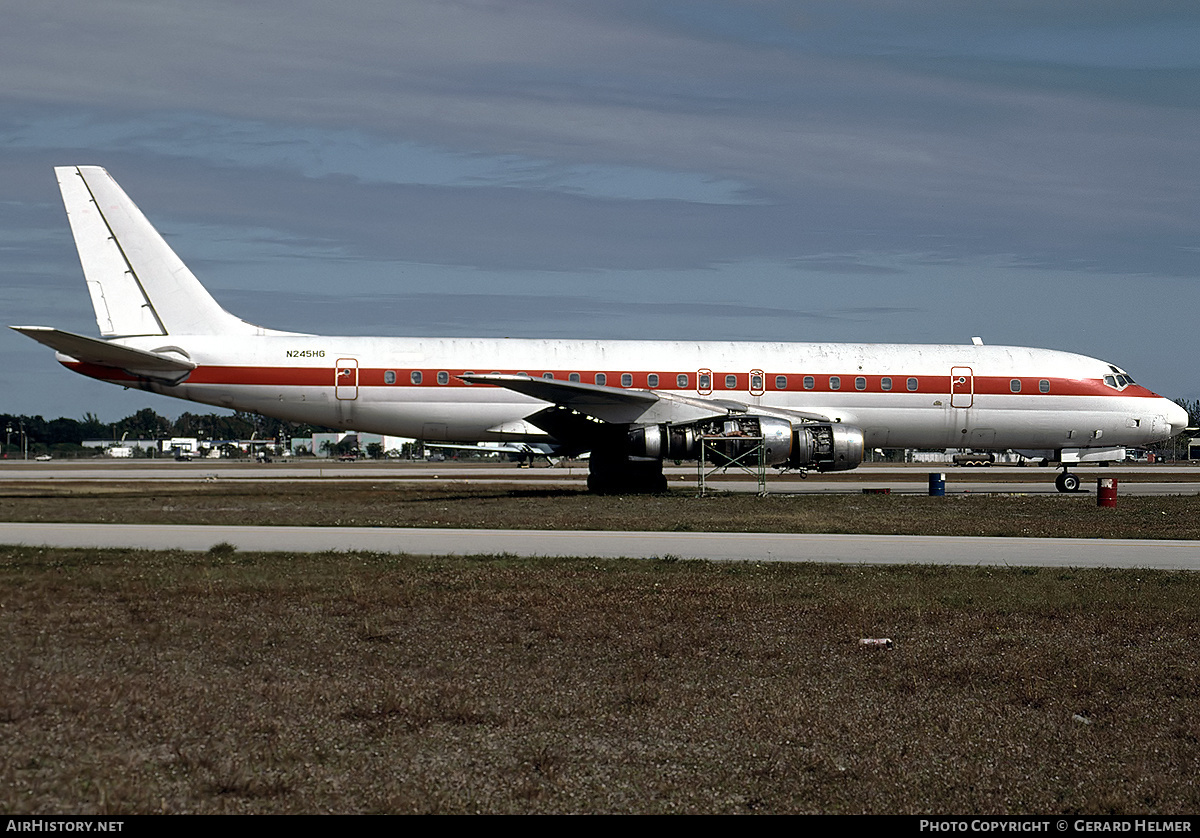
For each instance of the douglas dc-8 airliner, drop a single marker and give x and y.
(631, 404)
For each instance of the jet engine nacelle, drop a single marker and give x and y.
(827, 447)
(819, 446)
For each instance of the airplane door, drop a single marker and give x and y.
(757, 385)
(345, 381)
(962, 387)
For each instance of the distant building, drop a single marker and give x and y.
(319, 445)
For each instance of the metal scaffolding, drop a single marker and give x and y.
(751, 460)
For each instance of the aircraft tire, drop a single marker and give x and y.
(1067, 482)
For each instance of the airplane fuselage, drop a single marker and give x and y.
(901, 395)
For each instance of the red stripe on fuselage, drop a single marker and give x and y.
(324, 376)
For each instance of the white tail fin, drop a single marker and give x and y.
(138, 285)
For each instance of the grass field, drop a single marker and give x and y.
(224, 682)
(138, 681)
(361, 503)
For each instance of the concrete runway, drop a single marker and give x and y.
(764, 547)
(900, 479)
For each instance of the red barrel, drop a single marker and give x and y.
(1106, 491)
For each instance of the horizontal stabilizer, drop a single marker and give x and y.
(108, 354)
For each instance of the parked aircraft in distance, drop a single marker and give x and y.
(524, 453)
(631, 404)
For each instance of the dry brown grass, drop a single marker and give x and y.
(360, 503)
(226, 682)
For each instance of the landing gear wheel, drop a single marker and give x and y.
(1067, 482)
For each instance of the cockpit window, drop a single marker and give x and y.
(1118, 379)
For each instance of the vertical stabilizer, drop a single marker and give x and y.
(138, 285)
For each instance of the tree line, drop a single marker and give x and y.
(64, 436)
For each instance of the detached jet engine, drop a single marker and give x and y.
(817, 446)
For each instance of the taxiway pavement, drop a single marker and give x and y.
(762, 547)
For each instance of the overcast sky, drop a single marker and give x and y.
(849, 171)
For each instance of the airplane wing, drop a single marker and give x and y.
(108, 354)
(629, 407)
(605, 403)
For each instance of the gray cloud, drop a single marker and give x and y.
(866, 170)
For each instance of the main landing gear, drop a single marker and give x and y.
(618, 475)
(1067, 482)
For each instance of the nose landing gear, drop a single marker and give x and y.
(1067, 482)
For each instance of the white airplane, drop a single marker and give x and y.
(631, 404)
(524, 452)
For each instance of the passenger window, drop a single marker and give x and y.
(860, 383)
(681, 381)
(468, 372)
(705, 382)
(573, 377)
(781, 382)
(835, 382)
(548, 375)
(443, 377)
(885, 383)
(415, 378)
(1015, 385)
(809, 382)
(389, 377)
(626, 380)
(601, 379)
(1044, 386)
(912, 384)
(731, 382)
(652, 380)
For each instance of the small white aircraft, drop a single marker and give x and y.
(631, 404)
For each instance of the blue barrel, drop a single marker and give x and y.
(937, 484)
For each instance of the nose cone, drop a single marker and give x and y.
(1176, 416)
